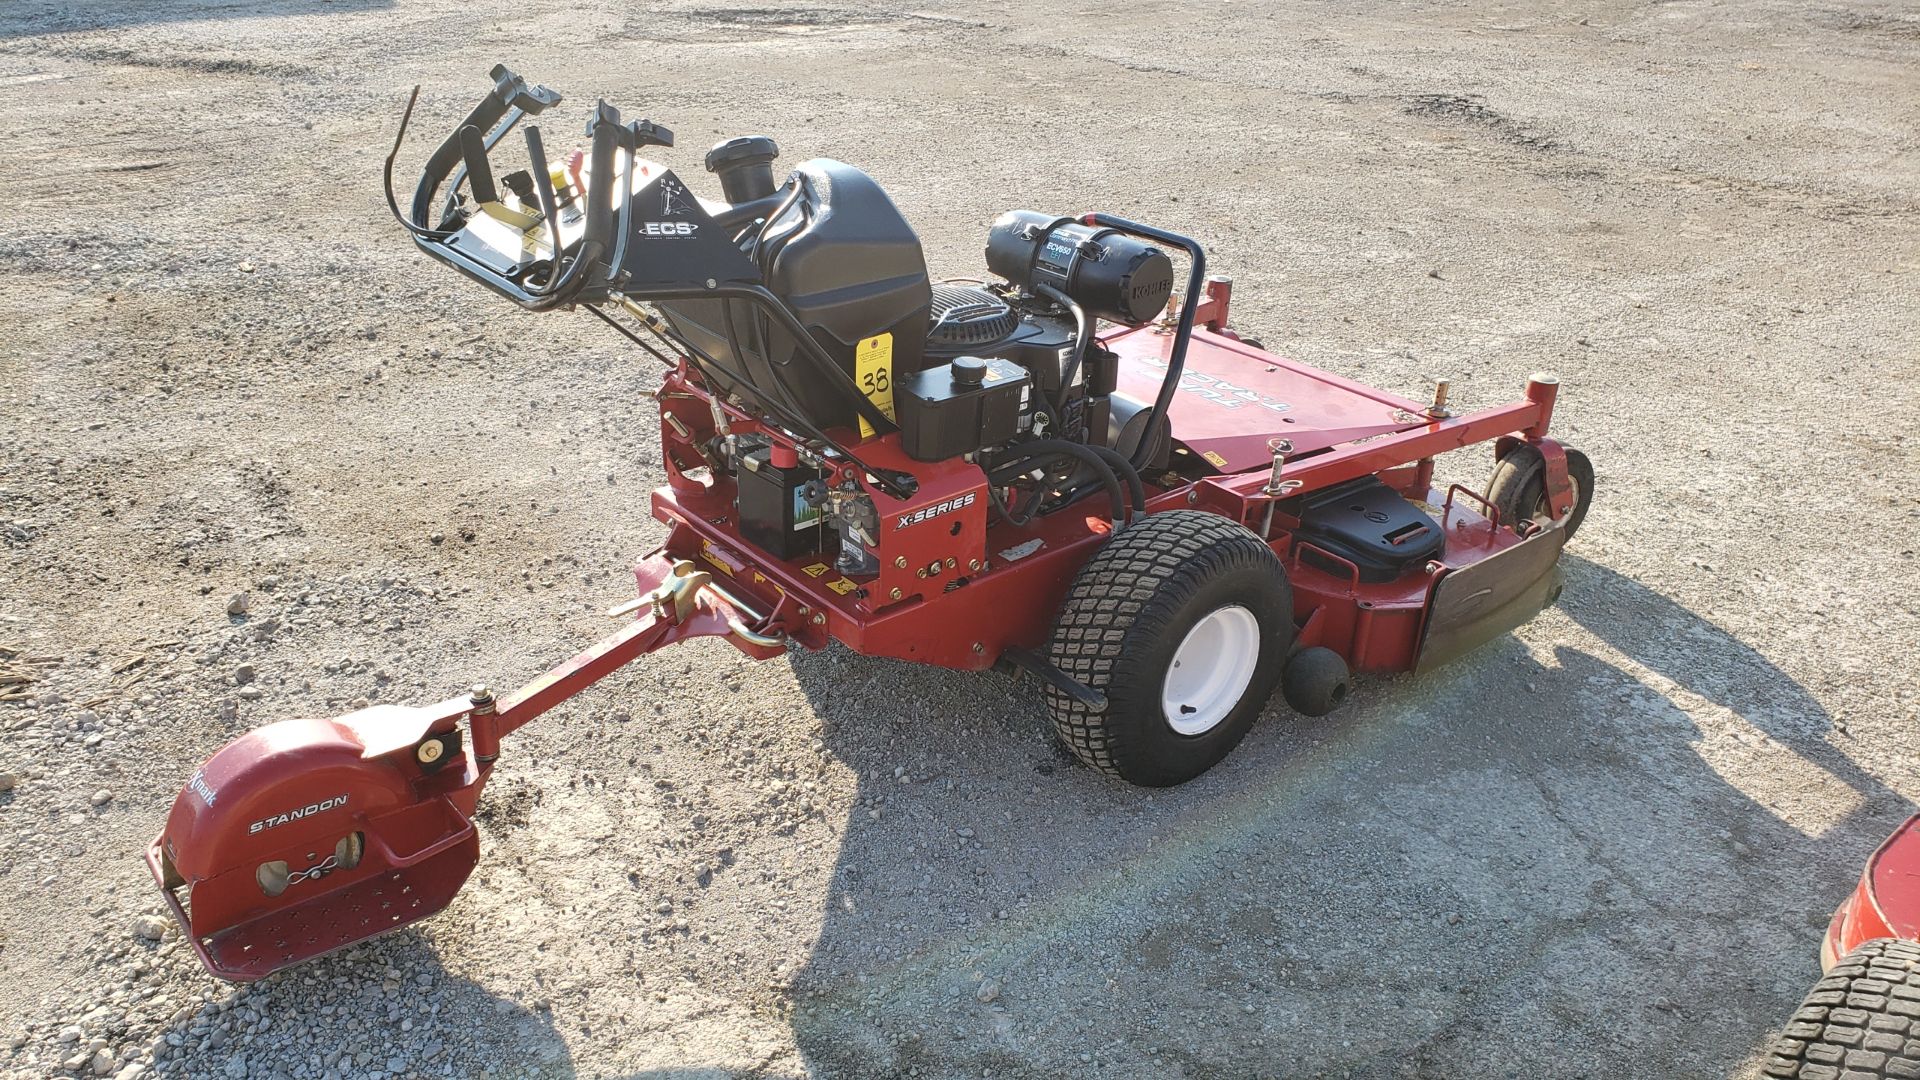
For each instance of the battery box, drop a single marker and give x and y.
(960, 407)
(774, 514)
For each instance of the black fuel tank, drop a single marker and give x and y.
(848, 264)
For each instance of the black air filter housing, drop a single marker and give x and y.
(966, 319)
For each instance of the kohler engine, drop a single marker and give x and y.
(1030, 339)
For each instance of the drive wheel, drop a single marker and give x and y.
(1183, 621)
(1519, 487)
(1857, 1022)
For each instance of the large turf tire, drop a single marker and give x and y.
(1519, 487)
(1129, 612)
(1861, 1022)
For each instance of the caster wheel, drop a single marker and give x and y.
(1316, 681)
(1519, 487)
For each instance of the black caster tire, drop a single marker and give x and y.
(1519, 487)
(1183, 620)
(1316, 681)
(1858, 1022)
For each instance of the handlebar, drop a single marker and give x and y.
(608, 259)
(1183, 331)
(463, 157)
(509, 100)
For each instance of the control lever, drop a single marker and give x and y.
(648, 133)
(549, 203)
(473, 150)
(603, 127)
(510, 101)
(513, 92)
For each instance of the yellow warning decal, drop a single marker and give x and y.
(718, 558)
(816, 570)
(873, 370)
(843, 586)
(1215, 456)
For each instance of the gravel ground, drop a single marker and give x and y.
(1604, 846)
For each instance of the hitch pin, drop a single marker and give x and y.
(1276, 488)
(1438, 410)
(1279, 448)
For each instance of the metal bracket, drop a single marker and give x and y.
(1559, 487)
(1030, 661)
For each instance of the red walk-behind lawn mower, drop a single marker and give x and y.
(1862, 1021)
(1071, 472)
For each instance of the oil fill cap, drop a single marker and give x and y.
(968, 371)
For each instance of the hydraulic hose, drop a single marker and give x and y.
(1082, 336)
(1039, 448)
(1124, 469)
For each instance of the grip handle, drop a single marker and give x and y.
(605, 129)
(473, 150)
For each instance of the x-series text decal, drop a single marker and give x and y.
(926, 513)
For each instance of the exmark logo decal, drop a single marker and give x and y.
(1219, 391)
(275, 820)
(197, 783)
(928, 513)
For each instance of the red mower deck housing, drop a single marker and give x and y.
(955, 593)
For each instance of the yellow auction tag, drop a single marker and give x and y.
(873, 370)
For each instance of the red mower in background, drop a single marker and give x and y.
(1862, 1020)
(1071, 471)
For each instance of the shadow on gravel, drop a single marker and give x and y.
(1699, 657)
(383, 1008)
(29, 20)
(1509, 858)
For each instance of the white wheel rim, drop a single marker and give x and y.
(1211, 670)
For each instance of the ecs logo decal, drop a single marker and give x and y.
(928, 513)
(668, 228)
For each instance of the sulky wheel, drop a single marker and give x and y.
(1519, 487)
(1183, 620)
(1858, 1022)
